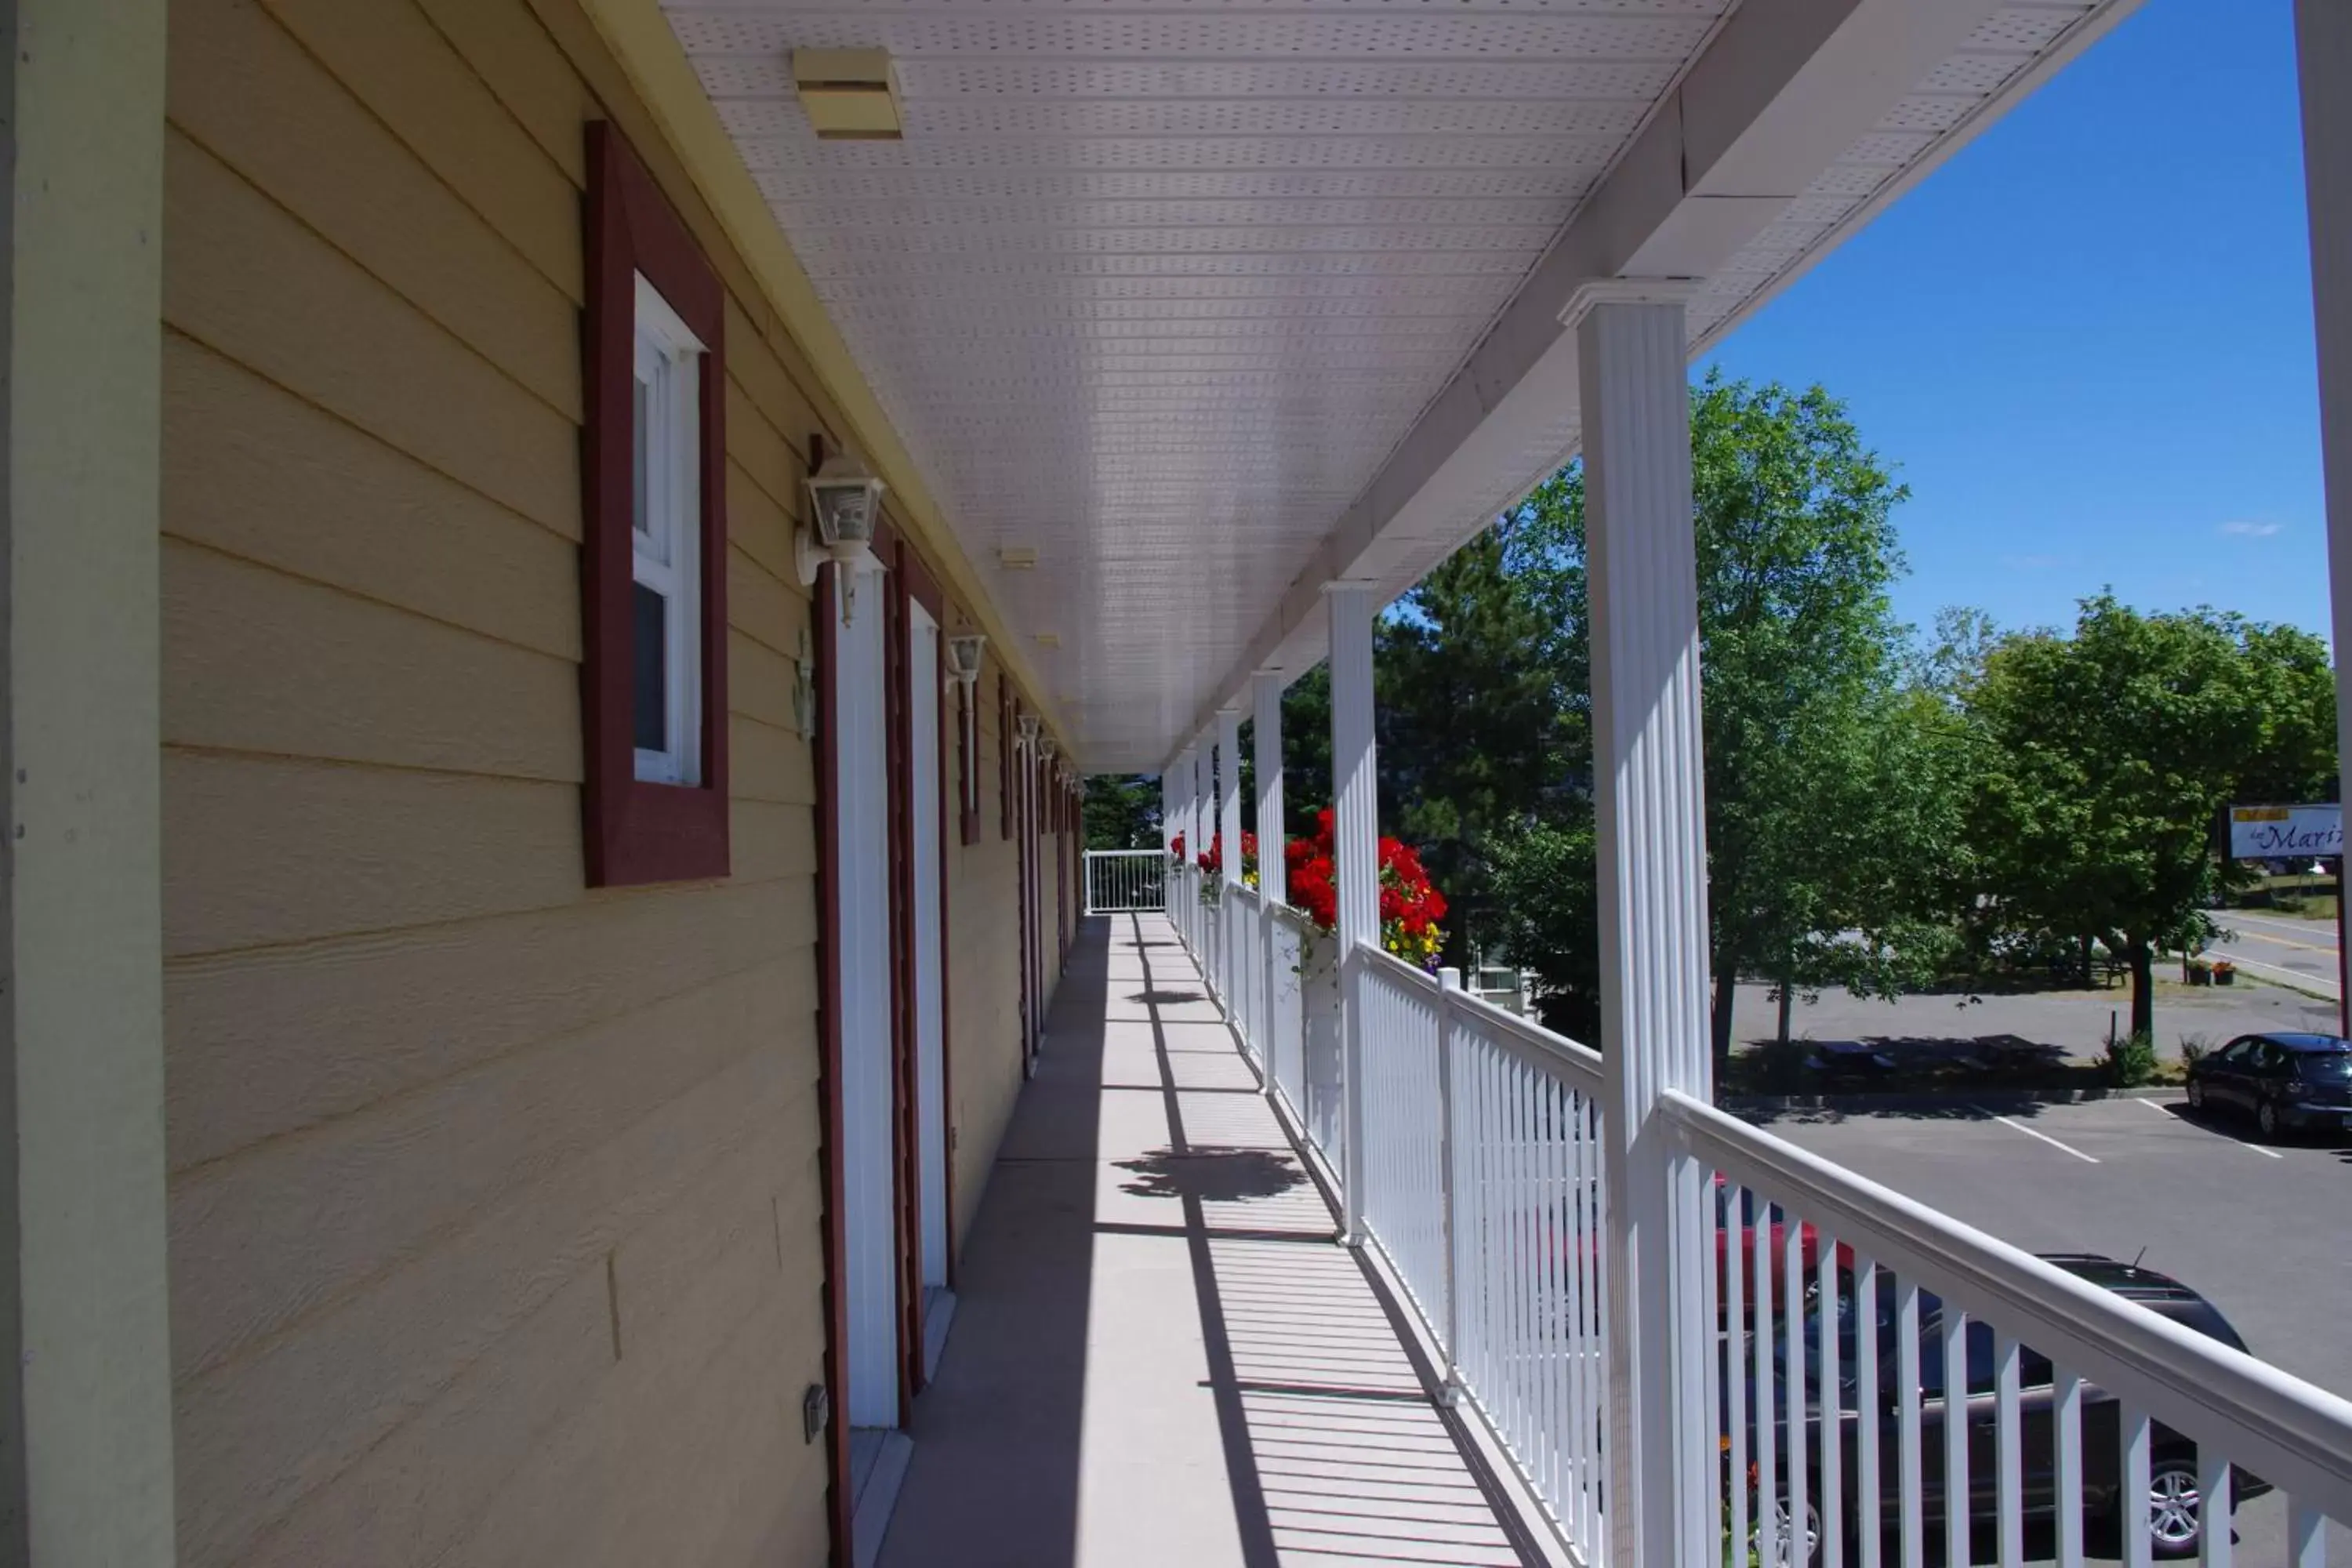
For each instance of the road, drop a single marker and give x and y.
(2266, 1233)
(2276, 947)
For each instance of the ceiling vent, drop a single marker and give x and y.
(851, 95)
(1018, 558)
(1049, 639)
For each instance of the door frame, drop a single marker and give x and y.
(911, 584)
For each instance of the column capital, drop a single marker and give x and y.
(1625, 291)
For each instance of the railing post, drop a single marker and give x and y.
(1635, 404)
(1449, 980)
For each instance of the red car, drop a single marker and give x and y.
(1776, 1258)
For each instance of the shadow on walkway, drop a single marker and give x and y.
(1160, 1356)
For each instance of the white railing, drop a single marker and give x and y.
(2076, 1399)
(1289, 940)
(1126, 881)
(1482, 1189)
(1244, 926)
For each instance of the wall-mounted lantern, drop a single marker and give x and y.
(845, 507)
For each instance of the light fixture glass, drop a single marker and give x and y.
(845, 507)
(963, 657)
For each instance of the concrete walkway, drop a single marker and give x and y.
(1160, 1356)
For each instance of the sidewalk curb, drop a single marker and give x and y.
(1922, 1100)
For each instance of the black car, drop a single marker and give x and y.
(2175, 1508)
(2284, 1081)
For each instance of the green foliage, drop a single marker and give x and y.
(2131, 1061)
(1122, 811)
(1825, 812)
(2103, 760)
(1547, 918)
(1475, 728)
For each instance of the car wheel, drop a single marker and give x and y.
(1781, 1556)
(2196, 1095)
(2175, 1512)
(2266, 1120)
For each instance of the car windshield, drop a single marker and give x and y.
(2325, 1067)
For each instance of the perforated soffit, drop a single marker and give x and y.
(1153, 288)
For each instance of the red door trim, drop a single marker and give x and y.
(828, 968)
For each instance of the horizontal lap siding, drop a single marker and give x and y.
(983, 972)
(494, 1201)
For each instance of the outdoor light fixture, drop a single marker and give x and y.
(963, 657)
(844, 504)
(1045, 748)
(1029, 732)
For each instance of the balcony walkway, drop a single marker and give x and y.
(1160, 1356)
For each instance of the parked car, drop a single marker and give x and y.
(1776, 1260)
(2284, 1081)
(2175, 1508)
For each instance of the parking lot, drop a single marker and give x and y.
(2263, 1232)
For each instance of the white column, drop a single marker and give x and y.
(1187, 827)
(1266, 746)
(1632, 367)
(84, 1316)
(2323, 33)
(1355, 862)
(1229, 794)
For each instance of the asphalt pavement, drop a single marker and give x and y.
(2263, 1232)
(2280, 948)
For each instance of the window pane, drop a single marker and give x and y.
(638, 481)
(652, 717)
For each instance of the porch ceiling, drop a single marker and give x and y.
(1211, 301)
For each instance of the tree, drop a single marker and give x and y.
(1122, 811)
(1817, 827)
(2106, 758)
(1472, 724)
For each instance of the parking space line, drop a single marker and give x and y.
(2241, 1142)
(2029, 1133)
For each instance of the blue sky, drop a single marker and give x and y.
(2085, 341)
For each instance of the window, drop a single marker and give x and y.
(666, 507)
(968, 760)
(654, 607)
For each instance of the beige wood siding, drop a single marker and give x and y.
(494, 1201)
(984, 969)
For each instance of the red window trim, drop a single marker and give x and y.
(1008, 715)
(638, 832)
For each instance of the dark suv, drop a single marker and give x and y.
(2175, 1509)
(2283, 1081)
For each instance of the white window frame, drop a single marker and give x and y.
(666, 555)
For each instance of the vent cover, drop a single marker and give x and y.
(851, 95)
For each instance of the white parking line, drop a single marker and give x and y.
(2029, 1133)
(2241, 1142)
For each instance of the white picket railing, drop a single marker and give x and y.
(1482, 1188)
(2076, 1399)
(1126, 881)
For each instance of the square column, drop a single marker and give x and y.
(1179, 826)
(2323, 37)
(1632, 357)
(1229, 794)
(1265, 745)
(1355, 863)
